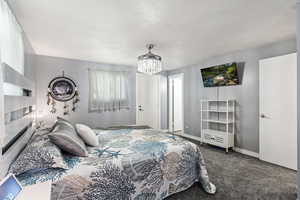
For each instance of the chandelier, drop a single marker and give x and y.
(149, 63)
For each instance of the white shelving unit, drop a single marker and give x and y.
(218, 122)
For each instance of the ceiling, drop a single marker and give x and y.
(184, 31)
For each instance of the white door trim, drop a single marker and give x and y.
(169, 110)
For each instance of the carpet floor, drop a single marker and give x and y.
(240, 177)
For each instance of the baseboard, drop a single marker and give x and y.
(236, 149)
(189, 136)
(246, 152)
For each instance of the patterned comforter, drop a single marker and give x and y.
(129, 164)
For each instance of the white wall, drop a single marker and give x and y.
(2, 126)
(298, 92)
(49, 67)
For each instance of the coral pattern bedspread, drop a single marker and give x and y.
(129, 164)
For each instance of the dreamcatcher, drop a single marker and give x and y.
(62, 89)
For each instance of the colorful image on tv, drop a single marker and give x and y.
(221, 75)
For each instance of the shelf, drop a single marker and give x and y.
(214, 132)
(224, 100)
(218, 121)
(218, 111)
(218, 137)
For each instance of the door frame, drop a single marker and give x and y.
(181, 74)
(156, 78)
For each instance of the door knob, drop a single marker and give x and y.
(263, 116)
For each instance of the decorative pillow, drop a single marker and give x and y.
(39, 154)
(67, 139)
(87, 135)
(62, 121)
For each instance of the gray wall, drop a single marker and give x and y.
(246, 94)
(49, 67)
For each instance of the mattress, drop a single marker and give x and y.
(128, 164)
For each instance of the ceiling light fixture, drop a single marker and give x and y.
(149, 63)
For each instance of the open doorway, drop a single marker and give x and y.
(176, 103)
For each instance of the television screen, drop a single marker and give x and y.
(221, 75)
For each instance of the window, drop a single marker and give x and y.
(108, 90)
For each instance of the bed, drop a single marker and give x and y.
(138, 164)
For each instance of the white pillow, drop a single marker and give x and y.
(87, 135)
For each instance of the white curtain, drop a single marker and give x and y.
(108, 90)
(11, 39)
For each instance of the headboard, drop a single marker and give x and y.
(19, 115)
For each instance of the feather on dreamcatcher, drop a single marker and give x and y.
(62, 89)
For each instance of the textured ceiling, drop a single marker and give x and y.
(184, 31)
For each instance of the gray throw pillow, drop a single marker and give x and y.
(61, 121)
(66, 138)
(39, 154)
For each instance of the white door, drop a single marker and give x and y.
(278, 110)
(176, 102)
(147, 100)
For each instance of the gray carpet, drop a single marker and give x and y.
(240, 177)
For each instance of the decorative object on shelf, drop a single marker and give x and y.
(62, 89)
(149, 63)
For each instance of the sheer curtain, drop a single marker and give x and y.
(108, 90)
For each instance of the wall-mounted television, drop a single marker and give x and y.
(221, 75)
